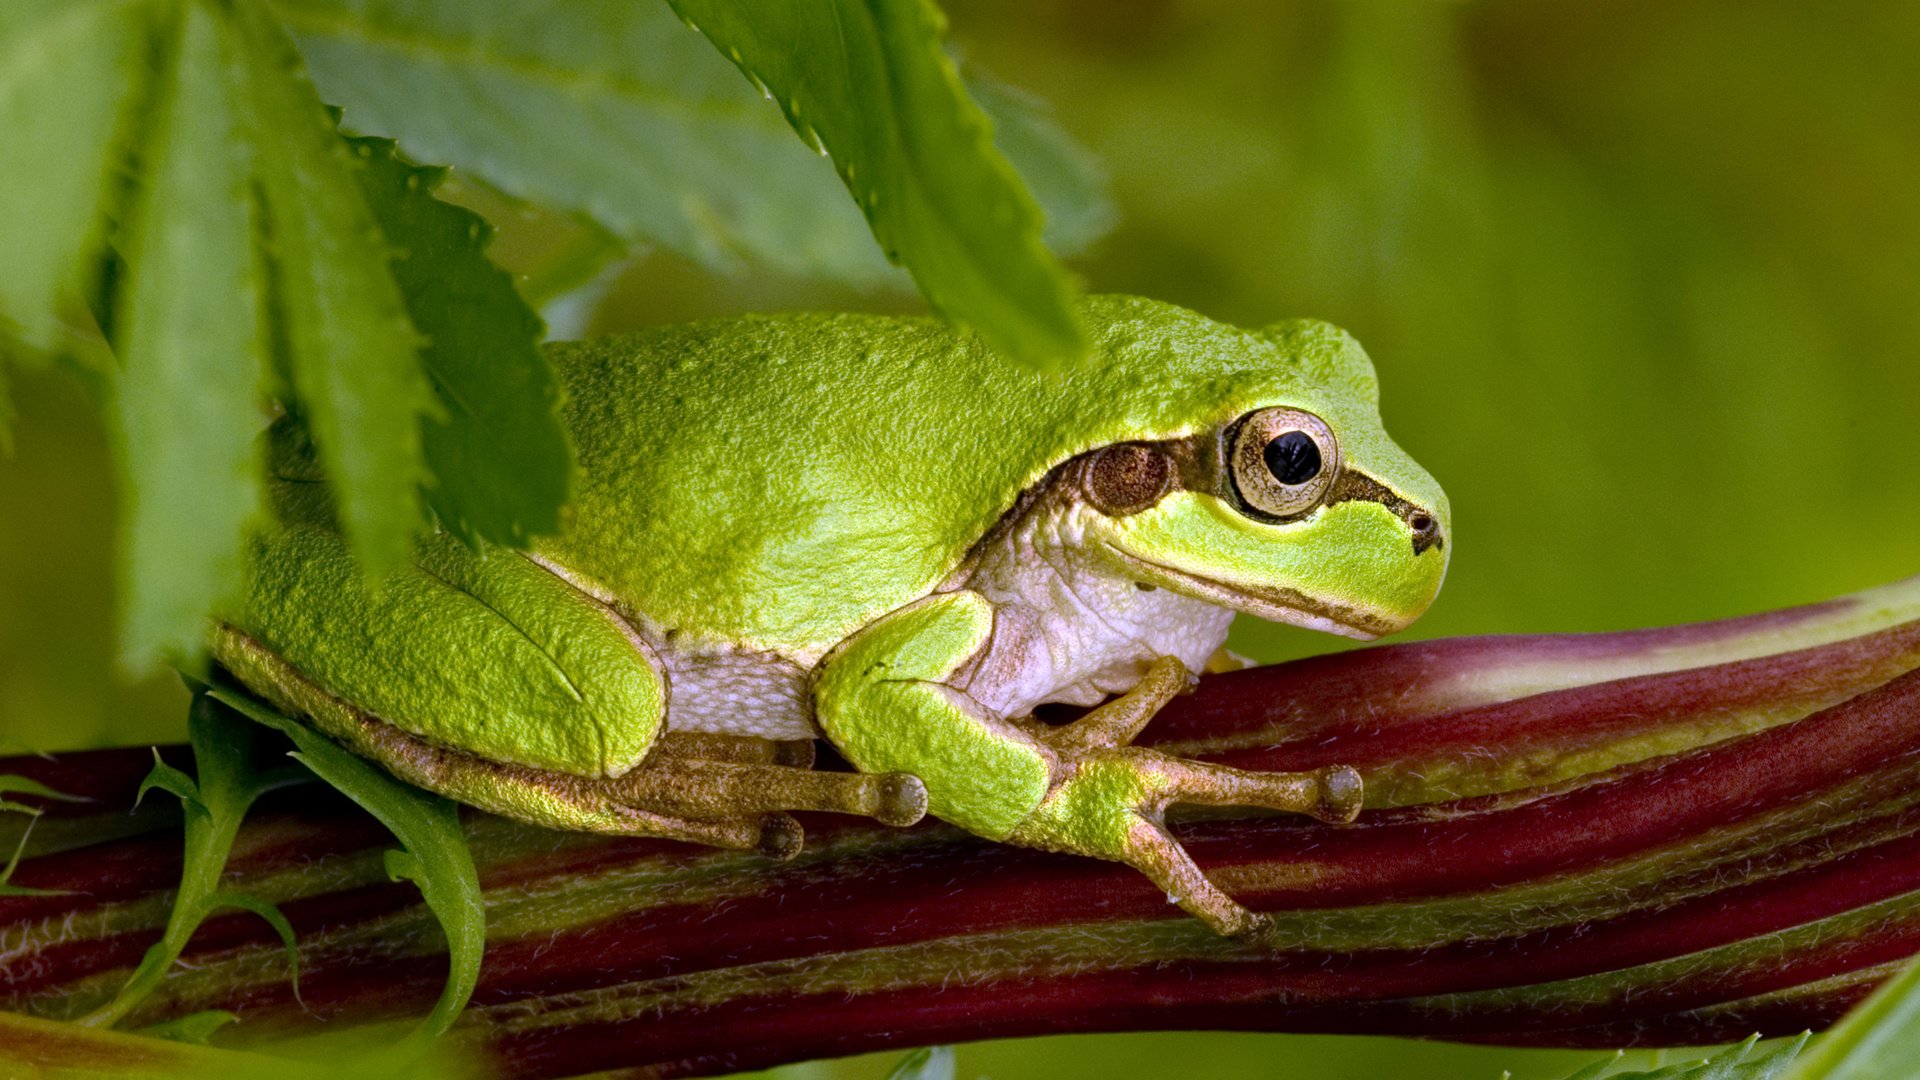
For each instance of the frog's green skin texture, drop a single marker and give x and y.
(875, 529)
(815, 472)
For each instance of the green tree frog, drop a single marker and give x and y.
(878, 531)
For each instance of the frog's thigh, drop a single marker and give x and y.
(474, 676)
(883, 701)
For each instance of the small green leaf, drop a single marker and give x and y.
(435, 856)
(24, 786)
(228, 898)
(65, 86)
(215, 802)
(1880, 1037)
(350, 348)
(501, 461)
(195, 1028)
(14, 784)
(926, 1063)
(868, 81)
(172, 781)
(192, 390)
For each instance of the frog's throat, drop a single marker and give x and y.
(1284, 605)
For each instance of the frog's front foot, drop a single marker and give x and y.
(1108, 799)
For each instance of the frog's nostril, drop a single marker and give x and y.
(1426, 531)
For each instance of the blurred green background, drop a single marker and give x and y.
(1641, 280)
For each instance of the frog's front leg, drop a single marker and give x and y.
(886, 700)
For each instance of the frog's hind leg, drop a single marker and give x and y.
(722, 790)
(547, 797)
(699, 788)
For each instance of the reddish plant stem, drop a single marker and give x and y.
(1671, 836)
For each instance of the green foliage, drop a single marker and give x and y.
(20, 785)
(65, 94)
(1736, 1062)
(621, 114)
(867, 81)
(171, 168)
(190, 329)
(345, 340)
(1878, 1040)
(214, 804)
(434, 855)
(502, 466)
(257, 258)
(11, 784)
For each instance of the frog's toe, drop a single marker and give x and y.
(899, 799)
(781, 837)
(1333, 793)
(1110, 804)
(1153, 851)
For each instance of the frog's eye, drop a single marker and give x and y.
(1283, 461)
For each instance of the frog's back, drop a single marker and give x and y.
(776, 482)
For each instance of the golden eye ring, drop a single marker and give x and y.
(1283, 462)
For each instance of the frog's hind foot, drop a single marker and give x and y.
(1109, 800)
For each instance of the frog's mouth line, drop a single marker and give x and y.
(1277, 605)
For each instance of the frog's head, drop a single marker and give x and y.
(1291, 503)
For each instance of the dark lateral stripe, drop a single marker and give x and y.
(1355, 485)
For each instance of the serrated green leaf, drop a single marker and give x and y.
(868, 81)
(607, 108)
(501, 462)
(616, 111)
(435, 856)
(216, 801)
(351, 350)
(1878, 1038)
(192, 388)
(67, 77)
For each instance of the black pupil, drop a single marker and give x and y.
(1293, 458)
